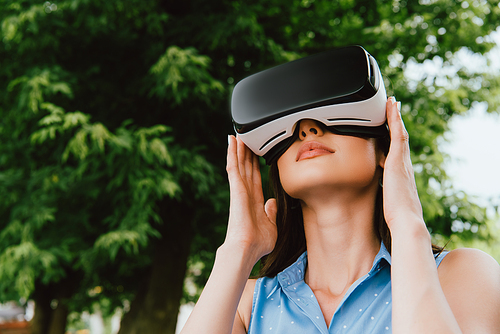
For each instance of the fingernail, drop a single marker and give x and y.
(398, 105)
(228, 140)
(393, 99)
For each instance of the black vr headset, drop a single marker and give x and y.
(341, 88)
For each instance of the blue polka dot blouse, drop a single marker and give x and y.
(285, 303)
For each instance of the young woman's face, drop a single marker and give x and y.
(320, 160)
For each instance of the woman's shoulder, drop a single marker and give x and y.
(470, 280)
(469, 260)
(469, 266)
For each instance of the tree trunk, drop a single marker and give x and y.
(51, 311)
(156, 306)
(43, 311)
(62, 293)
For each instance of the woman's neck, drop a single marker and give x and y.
(341, 241)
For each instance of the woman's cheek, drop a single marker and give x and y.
(286, 176)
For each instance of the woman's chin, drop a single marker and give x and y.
(310, 184)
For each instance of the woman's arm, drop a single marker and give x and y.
(216, 309)
(251, 234)
(419, 304)
(464, 297)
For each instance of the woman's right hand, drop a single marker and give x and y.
(251, 234)
(252, 224)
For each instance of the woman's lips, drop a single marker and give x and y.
(312, 149)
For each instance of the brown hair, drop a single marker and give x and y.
(291, 241)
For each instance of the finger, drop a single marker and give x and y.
(257, 180)
(232, 167)
(256, 169)
(232, 160)
(399, 135)
(241, 152)
(394, 118)
(249, 164)
(395, 121)
(271, 209)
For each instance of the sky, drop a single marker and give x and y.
(474, 149)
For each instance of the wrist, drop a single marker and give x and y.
(239, 256)
(410, 230)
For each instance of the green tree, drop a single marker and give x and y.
(95, 206)
(83, 201)
(114, 118)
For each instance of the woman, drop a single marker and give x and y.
(335, 180)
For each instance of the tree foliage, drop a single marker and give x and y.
(115, 113)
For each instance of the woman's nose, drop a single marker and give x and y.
(308, 128)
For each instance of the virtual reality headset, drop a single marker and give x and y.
(342, 88)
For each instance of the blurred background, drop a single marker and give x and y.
(114, 119)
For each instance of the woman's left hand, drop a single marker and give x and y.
(401, 202)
